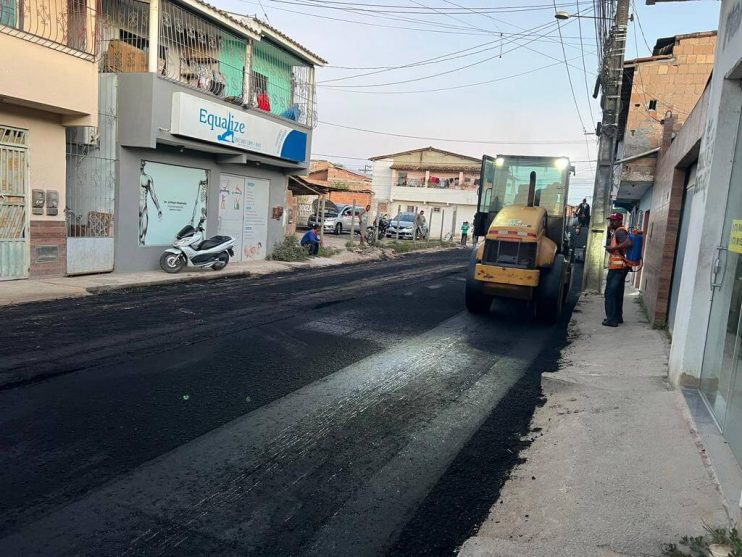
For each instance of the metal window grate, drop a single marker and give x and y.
(124, 36)
(200, 54)
(91, 170)
(65, 25)
(13, 136)
(281, 84)
(510, 254)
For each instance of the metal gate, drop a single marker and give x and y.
(91, 182)
(14, 249)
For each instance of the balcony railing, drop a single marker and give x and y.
(281, 84)
(202, 55)
(65, 25)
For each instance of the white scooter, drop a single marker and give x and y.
(190, 249)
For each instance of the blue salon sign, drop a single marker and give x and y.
(217, 123)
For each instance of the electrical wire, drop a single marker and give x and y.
(450, 140)
(636, 18)
(447, 72)
(454, 87)
(584, 66)
(572, 87)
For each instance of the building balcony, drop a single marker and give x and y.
(153, 111)
(52, 45)
(634, 176)
(223, 60)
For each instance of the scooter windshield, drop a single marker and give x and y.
(187, 230)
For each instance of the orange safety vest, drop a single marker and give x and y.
(617, 259)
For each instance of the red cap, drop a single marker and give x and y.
(615, 216)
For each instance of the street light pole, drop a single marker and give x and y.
(611, 79)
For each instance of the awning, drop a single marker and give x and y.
(300, 185)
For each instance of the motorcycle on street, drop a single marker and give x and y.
(191, 250)
(376, 232)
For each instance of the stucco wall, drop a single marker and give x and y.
(51, 80)
(46, 152)
(130, 256)
(717, 150)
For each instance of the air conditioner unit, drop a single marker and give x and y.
(82, 135)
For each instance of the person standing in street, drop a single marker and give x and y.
(464, 232)
(583, 213)
(420, 225)
(363, 223)
(619, 243)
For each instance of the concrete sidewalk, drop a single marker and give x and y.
(616, 466)
(35, 290)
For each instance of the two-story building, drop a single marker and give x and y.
(658, 90)
(48, 83)
(206, 116)
(440, 183)
(670, 81)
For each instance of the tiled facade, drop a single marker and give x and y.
(48, 249)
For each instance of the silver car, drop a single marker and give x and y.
(340, 222)
(403, 226)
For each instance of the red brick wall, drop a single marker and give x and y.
(45, 236)
(347, 197)
(675, 83)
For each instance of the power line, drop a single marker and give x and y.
(584, 66)
(636, 17)
(450, 140)
(436, 164)
(571, 85)
(462, 86)
(447, 72)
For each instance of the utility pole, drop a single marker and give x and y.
(611, 78)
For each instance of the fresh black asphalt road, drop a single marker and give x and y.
(353, 410)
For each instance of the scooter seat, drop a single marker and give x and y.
(213, 242)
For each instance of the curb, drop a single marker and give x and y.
(162, 282)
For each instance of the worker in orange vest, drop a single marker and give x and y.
(618, 244)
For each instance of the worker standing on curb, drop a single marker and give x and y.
(619, 243)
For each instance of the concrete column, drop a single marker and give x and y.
(247, 82)
(461, 179)
(427, 178)
(154, 35)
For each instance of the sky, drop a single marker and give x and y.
(526, 105)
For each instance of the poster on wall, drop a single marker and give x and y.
(231, 209)
(170, 197)
(255, 228)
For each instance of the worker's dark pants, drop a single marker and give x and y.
(614, 290)
(463, 239)
(313, 248)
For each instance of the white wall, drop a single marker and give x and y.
(707, 215)
(381, 181)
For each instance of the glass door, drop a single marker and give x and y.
(720, 383)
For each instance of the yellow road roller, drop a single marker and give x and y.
(522, 217)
